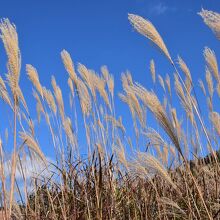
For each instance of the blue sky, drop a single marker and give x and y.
(98, 33)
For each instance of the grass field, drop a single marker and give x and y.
(175, 175)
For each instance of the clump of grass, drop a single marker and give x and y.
(160, 174)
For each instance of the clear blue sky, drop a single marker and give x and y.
(98, 33)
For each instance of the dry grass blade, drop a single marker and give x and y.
(147, 29)
(212, 20)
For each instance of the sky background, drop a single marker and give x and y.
(98, 33)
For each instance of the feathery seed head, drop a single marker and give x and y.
(211, 62)
(68, 63)
(161, 81)
(167, 80)
(209, 82)
(147, 29)
(32, 144)
(184, 68)
(50, 100)
(34, 78)
(201, 85)
(152, 70)
(212, 20)
(9, 37)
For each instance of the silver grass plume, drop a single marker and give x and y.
(212, 20)
(9, 37)
(147, 29)
(34, 78)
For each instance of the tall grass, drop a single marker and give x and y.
(109, 175)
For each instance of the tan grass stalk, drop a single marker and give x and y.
(152, 70)
(161, 81)
(212, 20)
(50, 100)
(89, 78)
(154, 137)
(165, 102)
(218, 89)
(209, 82)
(70, 84)
(109, 79)
(120, 152)
(3, 180)
(124, 79)
(34, 78)
(135, 104)
(100, 86)
(209, 103)
(215, 119)
(168, 201)
(39, 107)
(153, 103)
(127, 100)
(67, 124)
(59, 97)
(129, 78)
(84, 97)
(4, 93)
(32, 144)
(201, 85)
(115, 122)
(22, 99)
(211, 62)
(150, 162)
(185, 99)
(146, 28)
(167, 81)
(184, 68)
(9, 37)
(68, 63)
